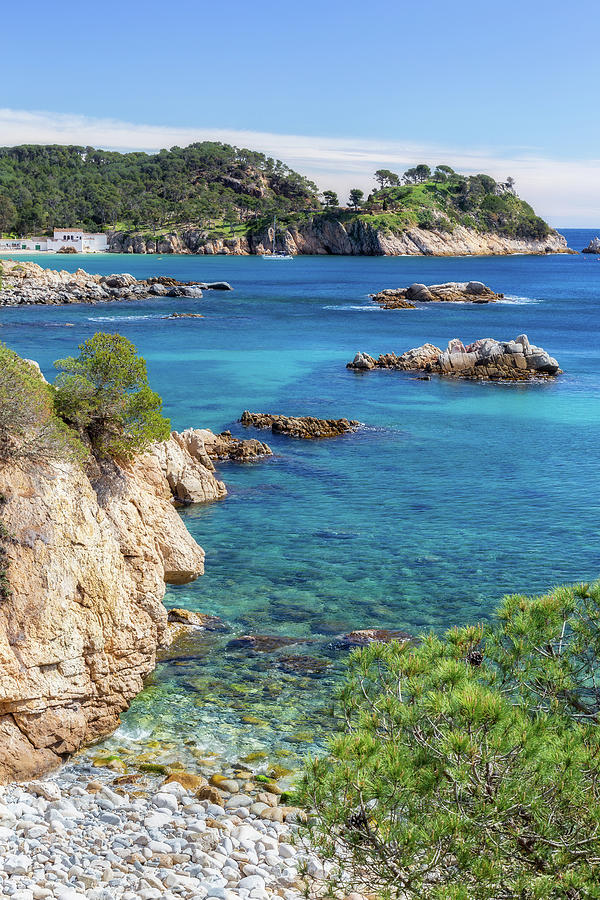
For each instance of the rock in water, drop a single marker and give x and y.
(450, 292)
(26, 283)
(593, 246)
(299, 426)
(516, 360)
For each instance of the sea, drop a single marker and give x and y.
(449, 496)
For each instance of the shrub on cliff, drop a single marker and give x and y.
(104, 392)
(470, 765)
(29, 427)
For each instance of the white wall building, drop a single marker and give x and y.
(81, 241)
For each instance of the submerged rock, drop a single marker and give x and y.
(196, 620)
(262, 643)
(311, 666)
(299, 426)
(364, 636)
(449, 292)
(184, 316)
(516, 360)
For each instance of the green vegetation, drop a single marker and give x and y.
(29, 425)
(227, 192)
(104, 392)
(443, 199)
(101, 400)
(469, 768)
(45, 186)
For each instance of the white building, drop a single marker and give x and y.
(79, 240)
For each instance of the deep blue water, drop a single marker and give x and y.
(452, 495)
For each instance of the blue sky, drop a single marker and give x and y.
(510, 86)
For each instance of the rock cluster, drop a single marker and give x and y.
(516, 360)
(450, 292)
(84, 835)
(593, 246)
(26, 283)
(224, 446)
(299, 426)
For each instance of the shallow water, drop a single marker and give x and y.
(451, 495)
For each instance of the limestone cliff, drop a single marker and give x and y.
(327, 235)
(88, 558)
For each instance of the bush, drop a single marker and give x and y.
(29, 427)
(469, 766)
(104, 392)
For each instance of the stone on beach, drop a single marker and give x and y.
(149, 844)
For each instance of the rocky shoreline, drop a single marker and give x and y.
(449, 292)
(516, 360)
(327, 235)
(89, 556)
(84, 834)
(26, 284)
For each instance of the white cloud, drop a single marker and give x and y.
(566, 192)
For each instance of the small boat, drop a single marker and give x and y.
(276, 254)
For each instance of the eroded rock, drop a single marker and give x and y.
(299, 426)
(449, 292)
(515, 360)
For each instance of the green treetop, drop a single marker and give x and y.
(469, 766)
(105, 393)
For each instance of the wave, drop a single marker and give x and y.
(122, 318)
(515, 300)
(354, 306)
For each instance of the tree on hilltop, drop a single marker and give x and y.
(356, 198)
(417, 175)
(330, 198)
(385, 178)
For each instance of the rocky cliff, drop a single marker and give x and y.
(88, 557)
(328, 235)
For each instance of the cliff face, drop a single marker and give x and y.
(326, 235)
(88, 558)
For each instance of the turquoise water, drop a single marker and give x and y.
(451, 495)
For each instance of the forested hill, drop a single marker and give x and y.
(214, 191)
(45, 186)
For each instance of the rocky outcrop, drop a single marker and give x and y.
(224, 446)
(450, 292)
(88, 559)
(26, 283)
(299, 426)
(593, 246)
(328, 235)
(516, 360)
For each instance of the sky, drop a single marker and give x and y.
(335, 89)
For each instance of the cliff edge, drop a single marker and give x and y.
(88, 557)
